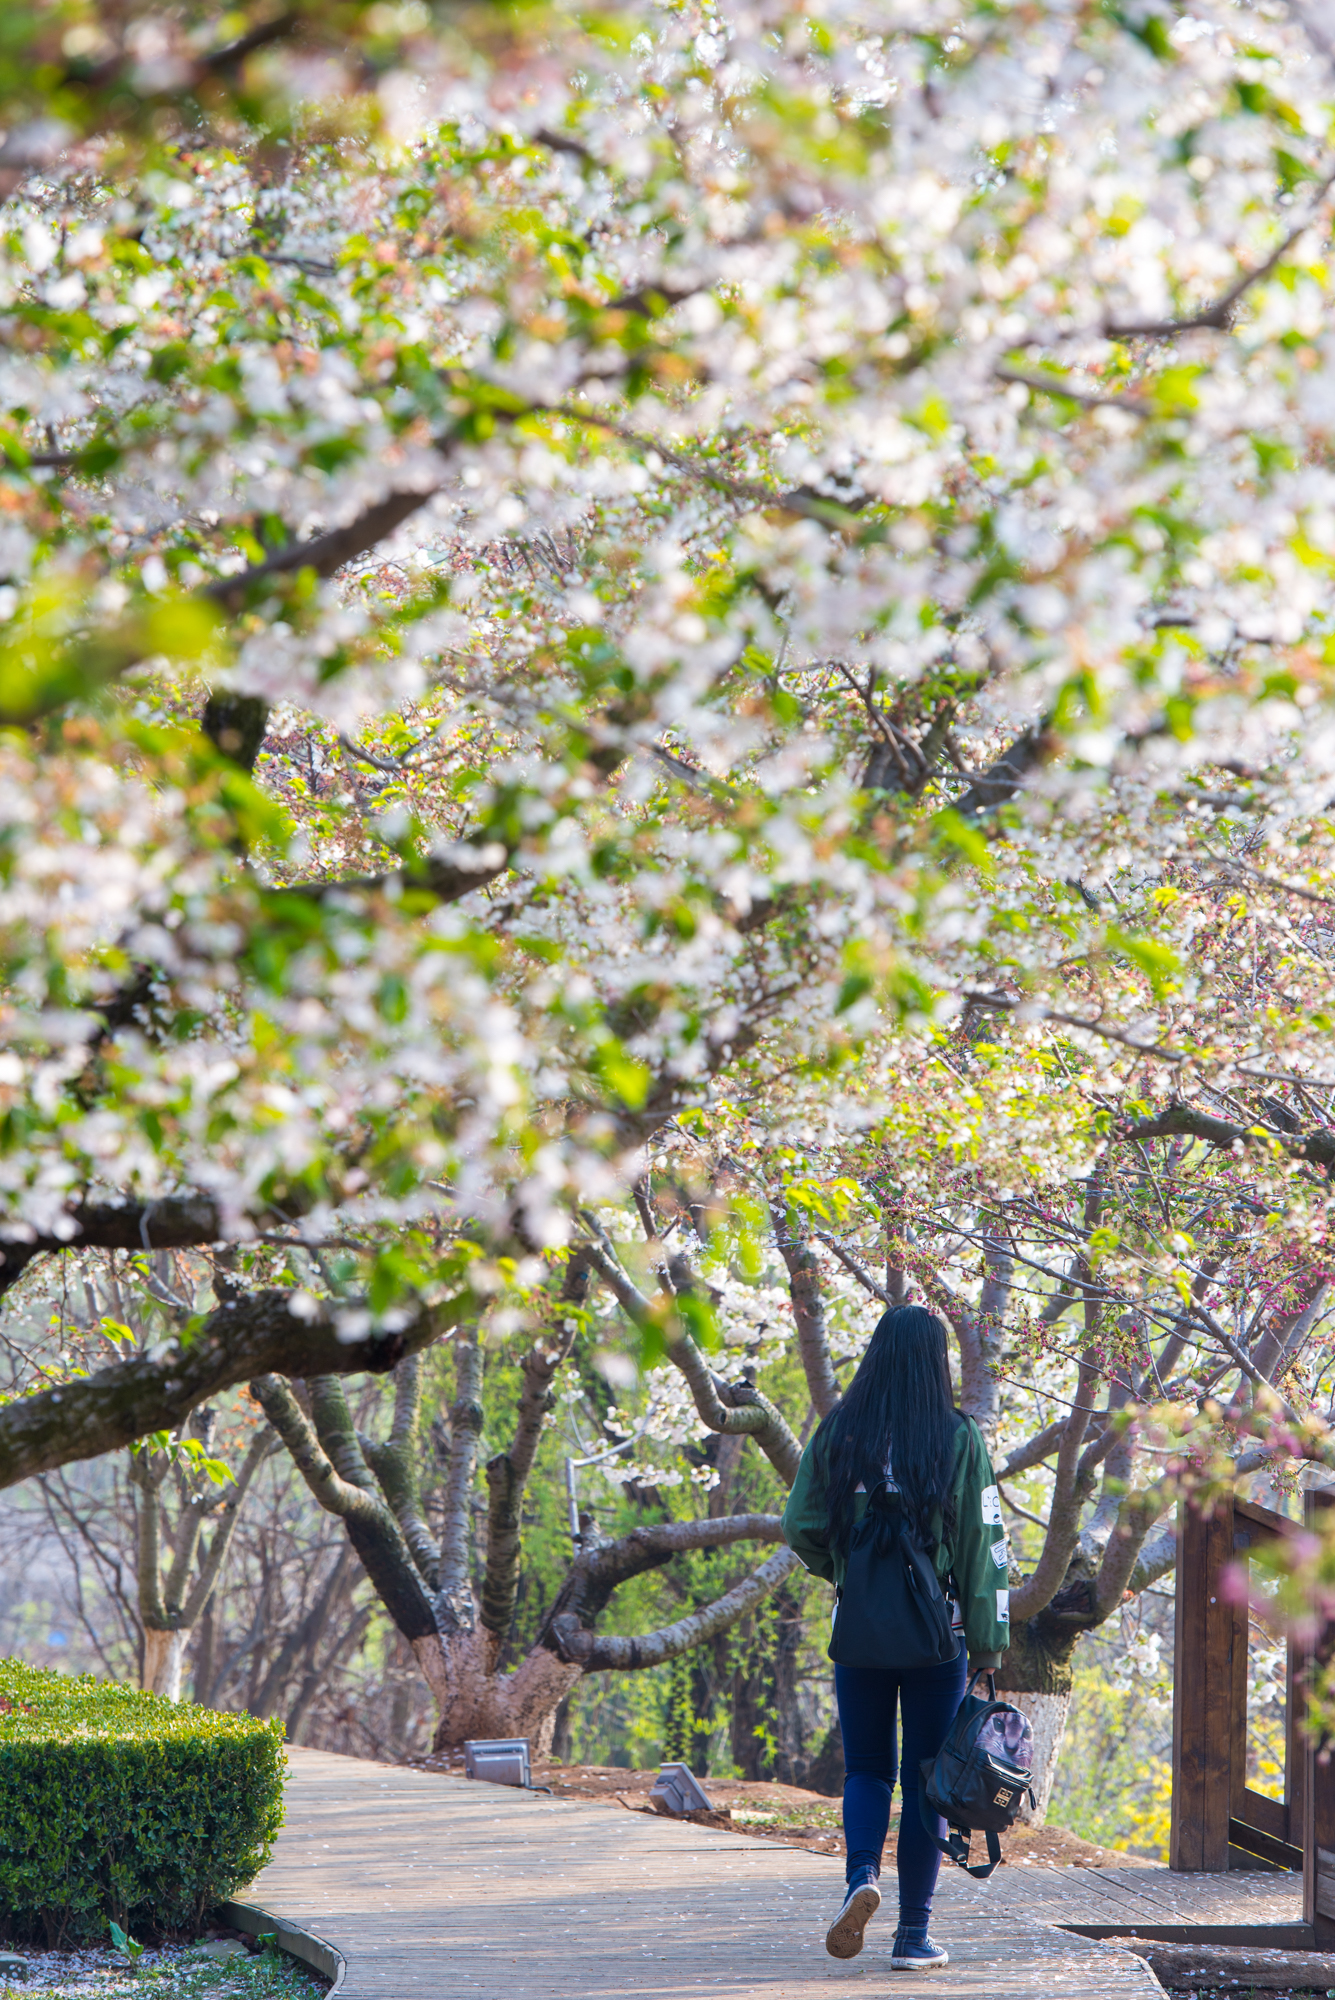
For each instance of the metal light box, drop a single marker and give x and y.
(677, 1791)
(501, 1760)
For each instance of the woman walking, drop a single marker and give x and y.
(897, 1432)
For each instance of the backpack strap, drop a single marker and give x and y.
(956, 1846)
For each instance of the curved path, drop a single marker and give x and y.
(437, 1889)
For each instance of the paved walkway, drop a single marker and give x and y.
(437, 1889)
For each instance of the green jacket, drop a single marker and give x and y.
(978, 1557)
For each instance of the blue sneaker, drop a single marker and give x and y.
(844, 1937)
(914, 1951)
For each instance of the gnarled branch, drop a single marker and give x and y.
(370, 1524)
(728, 1407)
(1182, 1121)
(598, 1652)
(395, 1464)
(257, 1334)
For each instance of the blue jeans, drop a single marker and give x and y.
(868, 1698)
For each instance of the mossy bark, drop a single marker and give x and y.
(1039, 1658)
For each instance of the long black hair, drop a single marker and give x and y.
(900, 1404)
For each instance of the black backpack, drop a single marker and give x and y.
(890, 1611)
(980, 1776)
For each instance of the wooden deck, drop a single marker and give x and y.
(437, 1889)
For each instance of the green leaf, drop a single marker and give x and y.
(625, 1076)
(1173, 391)
(700, 1320)
(852, 988)
(1161, 966)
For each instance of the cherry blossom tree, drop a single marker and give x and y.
(553, 584)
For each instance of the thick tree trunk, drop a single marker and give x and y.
(1035, 1675)
(701, 1664)
(1047, 1718)
(562, 1734)
(473, 1700)
(825, 1772)
(789, 1745)
(164, 1661)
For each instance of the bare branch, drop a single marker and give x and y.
(1088, 399)
(1219, 316)
(261, 1447)
(728, 1407)
(598, 1652)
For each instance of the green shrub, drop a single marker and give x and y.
(117, 1804)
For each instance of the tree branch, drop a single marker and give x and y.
(730, 1408)
(855, 1269)
(175, 1222)
(325, 554)
(1156, 1556)
(1181, 1121)
(597, 1652)
(508, 1473)
(804, 1286)
(1035, 1450)
(1283, 1339)
(601, 1570)
(980, 1389)
(395, 1464)
(335, 1493)
(455, 1595)
(1219, 316)
(148, 1478)
(1121, 1559)
(1088, 399)
(1071, 1479)
(1002, 780)
(1243, 1359)
(257, 1334)
(261, 1447)
(370, 1526)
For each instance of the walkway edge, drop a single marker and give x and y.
(321, 1956)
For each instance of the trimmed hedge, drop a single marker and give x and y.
(115, 1803)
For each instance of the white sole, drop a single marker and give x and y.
(844, 1937)
(919, 1964)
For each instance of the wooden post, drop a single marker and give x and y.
(1318, 1790)
(1205, 1641)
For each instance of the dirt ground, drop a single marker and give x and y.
(792, 1816)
